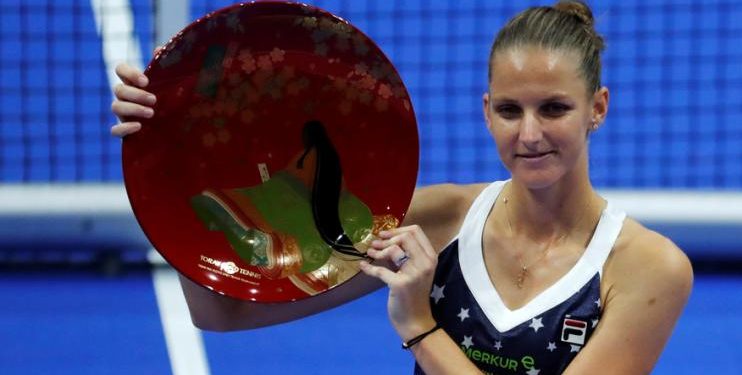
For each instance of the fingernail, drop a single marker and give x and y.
(149, 112)
(143, 81)
(377, 243)
(151, 99)
(384, 233)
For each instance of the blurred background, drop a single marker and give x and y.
(83, 292)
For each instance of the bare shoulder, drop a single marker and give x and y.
(440, 209)
(446, 194)
(645, 261)
(645, 285)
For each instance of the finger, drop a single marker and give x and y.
(398, 258)
(392, 254)
(424, 241)
(126, 109)
(409, 244)
(381, 273)
(390, 233)
(124, 129)
(135, 95)
(131, 75)
(419, 235)
(419, 259)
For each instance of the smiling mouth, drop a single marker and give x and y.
(534, 155)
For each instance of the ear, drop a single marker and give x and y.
(487, 113)
(600, 106)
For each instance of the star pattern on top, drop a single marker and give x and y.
(536, 324)
(476, 322)
(467, 342)
(437, 293)
(463, 314)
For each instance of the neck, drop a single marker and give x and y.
(550, 212)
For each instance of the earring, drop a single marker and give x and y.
(595, 124)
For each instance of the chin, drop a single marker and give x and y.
(537, 179)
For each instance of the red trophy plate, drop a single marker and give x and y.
(283, 140)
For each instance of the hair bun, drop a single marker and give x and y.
(578, 9)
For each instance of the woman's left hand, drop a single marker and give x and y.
(415, 260)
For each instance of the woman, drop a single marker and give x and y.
(534, 275)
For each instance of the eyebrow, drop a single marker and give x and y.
(558, 97)
(554, 97)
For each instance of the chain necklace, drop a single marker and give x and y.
(524, 267)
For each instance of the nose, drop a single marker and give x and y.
(530, 133)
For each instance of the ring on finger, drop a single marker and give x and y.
(401, 260)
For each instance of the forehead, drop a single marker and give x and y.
(533, 69)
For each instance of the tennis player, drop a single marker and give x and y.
(534, 275)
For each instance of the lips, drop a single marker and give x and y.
(534, 155)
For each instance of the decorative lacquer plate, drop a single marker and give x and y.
(283, 140)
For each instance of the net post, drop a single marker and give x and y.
(170, 18)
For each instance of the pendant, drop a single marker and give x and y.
(522, 277)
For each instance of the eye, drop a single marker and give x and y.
(508, 111)
(554, 109)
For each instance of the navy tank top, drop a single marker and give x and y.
(540, 338)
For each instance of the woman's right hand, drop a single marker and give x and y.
(132, 100)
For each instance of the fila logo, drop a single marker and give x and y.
(573, 331)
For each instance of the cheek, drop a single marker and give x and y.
(573, 141)
(506, 140)
(503, 131)
(572, 130)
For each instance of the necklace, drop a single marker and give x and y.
(523, 273)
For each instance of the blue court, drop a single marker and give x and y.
(79, 322)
